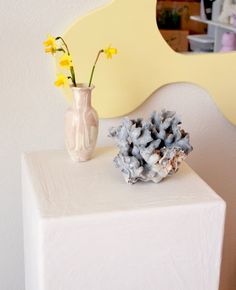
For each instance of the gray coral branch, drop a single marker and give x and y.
(150, 150)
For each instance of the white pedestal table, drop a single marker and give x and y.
(86, 229)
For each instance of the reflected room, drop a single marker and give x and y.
(198, 26)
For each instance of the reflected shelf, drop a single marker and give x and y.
(213, 39)
(214, 23)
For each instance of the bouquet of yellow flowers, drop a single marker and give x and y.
(58, 44)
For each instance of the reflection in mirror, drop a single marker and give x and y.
(198, 26)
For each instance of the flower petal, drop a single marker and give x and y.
(61, 80)
(50, 41)
(110, 51)
(65, 60)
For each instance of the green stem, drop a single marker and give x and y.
(61, 49)
(93, 69)
(67, 49)
(72, 71)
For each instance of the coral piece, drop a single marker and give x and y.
(150, 150)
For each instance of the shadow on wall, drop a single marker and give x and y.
(213, 157)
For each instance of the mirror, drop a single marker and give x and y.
(198, 26)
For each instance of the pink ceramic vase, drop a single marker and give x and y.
(228, 42)
(81, 125)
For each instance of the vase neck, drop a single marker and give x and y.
(81, 98)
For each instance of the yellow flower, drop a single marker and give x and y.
(50, 49)
(61, 80)
(50, 45)
(65, 60)
(110, 51)
(50, 41)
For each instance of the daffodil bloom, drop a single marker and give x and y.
(50, 49)
(58, 44)
(62, 80)
(50, 41)
(50, 45)
(65, 60)
(110, 51)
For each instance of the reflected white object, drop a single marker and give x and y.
(202, 10)
(81, 125)
(228, 9)
(212, 40)
(86, 229)
(233, 20)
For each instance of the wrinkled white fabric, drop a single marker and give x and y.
(85, 228)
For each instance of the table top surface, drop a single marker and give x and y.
(63, 188)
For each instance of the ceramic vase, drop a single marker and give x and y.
(81, 125)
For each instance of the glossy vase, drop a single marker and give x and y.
(228, 42)
(81, 125)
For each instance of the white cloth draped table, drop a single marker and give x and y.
(86, 229)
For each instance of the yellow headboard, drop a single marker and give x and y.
(144, 61)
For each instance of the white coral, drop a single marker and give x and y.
(151, 149)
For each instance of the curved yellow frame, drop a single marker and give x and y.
(145, 62)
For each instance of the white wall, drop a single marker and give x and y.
(31, 109)
(31, 118)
